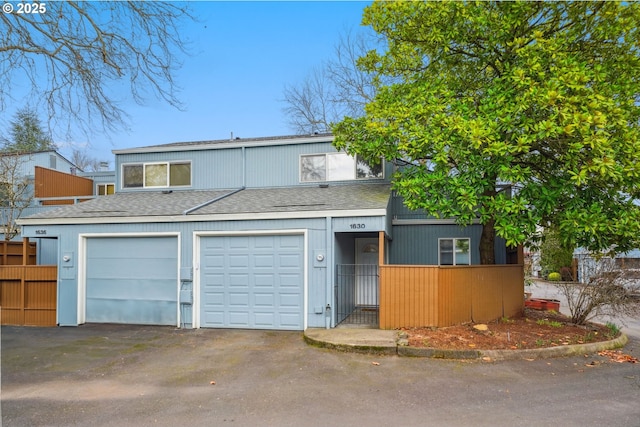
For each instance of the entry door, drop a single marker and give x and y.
(367, 271)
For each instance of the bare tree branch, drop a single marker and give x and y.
(77, 56)
(337, 89)
(15, 193)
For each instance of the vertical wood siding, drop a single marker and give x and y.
(417, 296)
(51, 183)
(28, 295)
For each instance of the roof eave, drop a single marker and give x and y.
(202, 218)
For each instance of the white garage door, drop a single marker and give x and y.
(132, 280)
(254, 282)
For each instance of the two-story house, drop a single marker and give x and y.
(244, 233)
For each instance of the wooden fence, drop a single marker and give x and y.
(13, 252)
(28, 293)
(417, 296)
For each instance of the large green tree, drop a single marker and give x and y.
(540, 96)
(27, 134)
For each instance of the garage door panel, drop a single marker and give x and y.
(131, 289)
(288, 280)
(127, 267)
(269, 271)
(264, 280)
(132, 280)
(265, 300)
(239, 319)
(289, 300)
(239, 299)
(289, 260)
(112, 247)
(264, 261)
(264, 319)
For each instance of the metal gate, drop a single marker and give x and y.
(357, 295)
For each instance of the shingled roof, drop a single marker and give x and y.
(192, 205)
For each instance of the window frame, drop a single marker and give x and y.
(327, 178)
(454, 241)
(106, 186)
(144, 165)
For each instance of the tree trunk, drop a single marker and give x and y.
(488, 243)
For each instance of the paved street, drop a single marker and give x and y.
(107, 375)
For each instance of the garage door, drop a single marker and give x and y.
(132, 280)
(254, 282)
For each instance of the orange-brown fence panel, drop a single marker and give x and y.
(455, 296)
(408, 296)
(28, 295)
(53, 183)
(416, 296)
(11, 253)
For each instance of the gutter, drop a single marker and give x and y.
(207, 203)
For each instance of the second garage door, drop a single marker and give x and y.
(254, 282)
(132, 280)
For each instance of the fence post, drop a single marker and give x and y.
(5, 250)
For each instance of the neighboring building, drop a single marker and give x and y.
(244, 233)
(19, 172)
(50, 180)
(588, 267)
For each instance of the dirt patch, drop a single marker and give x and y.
(536, 329)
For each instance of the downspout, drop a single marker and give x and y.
(329, 313)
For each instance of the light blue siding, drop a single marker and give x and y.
(132, 280)
(418, 244)
(234, 167)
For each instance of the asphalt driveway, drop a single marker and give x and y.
(114, 375)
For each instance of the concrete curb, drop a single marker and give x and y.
(488, 355)
(560, 351)
(532, 353)
(355, 348)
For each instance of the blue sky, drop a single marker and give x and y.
(242, 56)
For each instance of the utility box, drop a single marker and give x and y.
(186, 296)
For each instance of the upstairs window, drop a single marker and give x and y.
(454, 251)
(105, 189)
(336, 167)
(156, 175)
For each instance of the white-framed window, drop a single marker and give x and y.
(337, 167)
(105, 189)
(156, 175)
(454, 251)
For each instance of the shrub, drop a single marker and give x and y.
(555, 276)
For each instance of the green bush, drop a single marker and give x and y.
(555, 277)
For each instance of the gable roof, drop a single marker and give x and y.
(182, 206)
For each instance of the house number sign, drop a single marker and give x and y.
(41, 232)
(357, 226)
